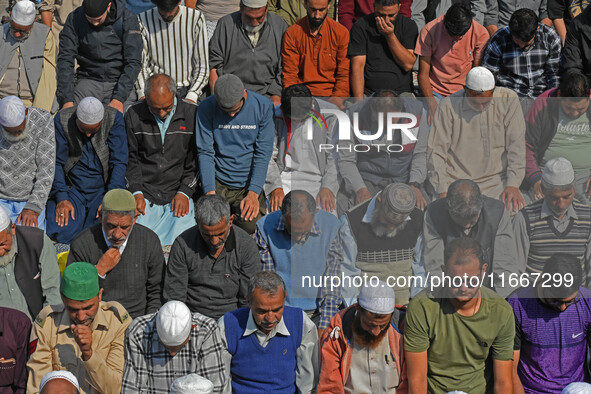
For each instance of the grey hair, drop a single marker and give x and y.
(546, 187)
(211, 209)
(297, 203)
(267, 281)
(464, 200)
(106, 213)
(170, 84)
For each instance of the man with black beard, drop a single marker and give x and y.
(235, 38)
(29, 272)
(103, 37)
(314, 53)
(362, 350)
(380, 235)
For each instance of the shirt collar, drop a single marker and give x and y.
(570, 212)
(122, 247)
(371, 207)
(251, 327)
(315, 230)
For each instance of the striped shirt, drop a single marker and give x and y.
(168, 46)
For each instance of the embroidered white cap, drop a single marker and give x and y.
(191, 384)
(23, 13)
(66, 375)
(173, 323)
(380, 299)
(4, 219)
(480, 79)
(558, 172)
(12, 111)
(577, 388)
(90, 111)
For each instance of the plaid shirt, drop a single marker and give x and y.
(149, 367)
(330, 300)
(528, 72)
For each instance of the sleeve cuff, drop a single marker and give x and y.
(256, 189)
(192, 96)
(33, 207)
(138, 192)
(186, 190)
(61, 196)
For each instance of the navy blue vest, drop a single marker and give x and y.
(263, 370)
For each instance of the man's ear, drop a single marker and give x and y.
(13, 229)
(231, 219)
(483, 270)
(100, 294)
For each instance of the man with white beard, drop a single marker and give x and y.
(380, 235)
(27, 161)
(29, 272)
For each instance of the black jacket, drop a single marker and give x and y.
(576, 54)
(161, 171)
(111, 54)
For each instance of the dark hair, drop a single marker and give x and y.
(574, 84)
(457, 19)
(523, 24)
(297, 203)
(384, 3)
(462, 248)
(563, 264)
(384, 100)
(464, 199)
(296, 100)
(166, 5)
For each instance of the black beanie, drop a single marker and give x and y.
(95, 8)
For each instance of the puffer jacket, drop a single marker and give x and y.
(337, 352)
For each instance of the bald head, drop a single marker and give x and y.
(59, 386)
(160, 91)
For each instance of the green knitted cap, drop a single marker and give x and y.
(80, 281)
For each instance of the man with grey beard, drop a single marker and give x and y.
(27, 161)
(29, 272)
(380, 235)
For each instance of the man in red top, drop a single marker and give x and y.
(314, 53)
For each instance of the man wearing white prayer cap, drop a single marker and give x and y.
(92, 155)
(29, 268)
(269, 347)
(59, 382)
(27, 161)
(229, 51)
(27, 58)
(362, 347)
(191, 384)
(475, 138)
(458, 332)
(170, 343)
(558, 212)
